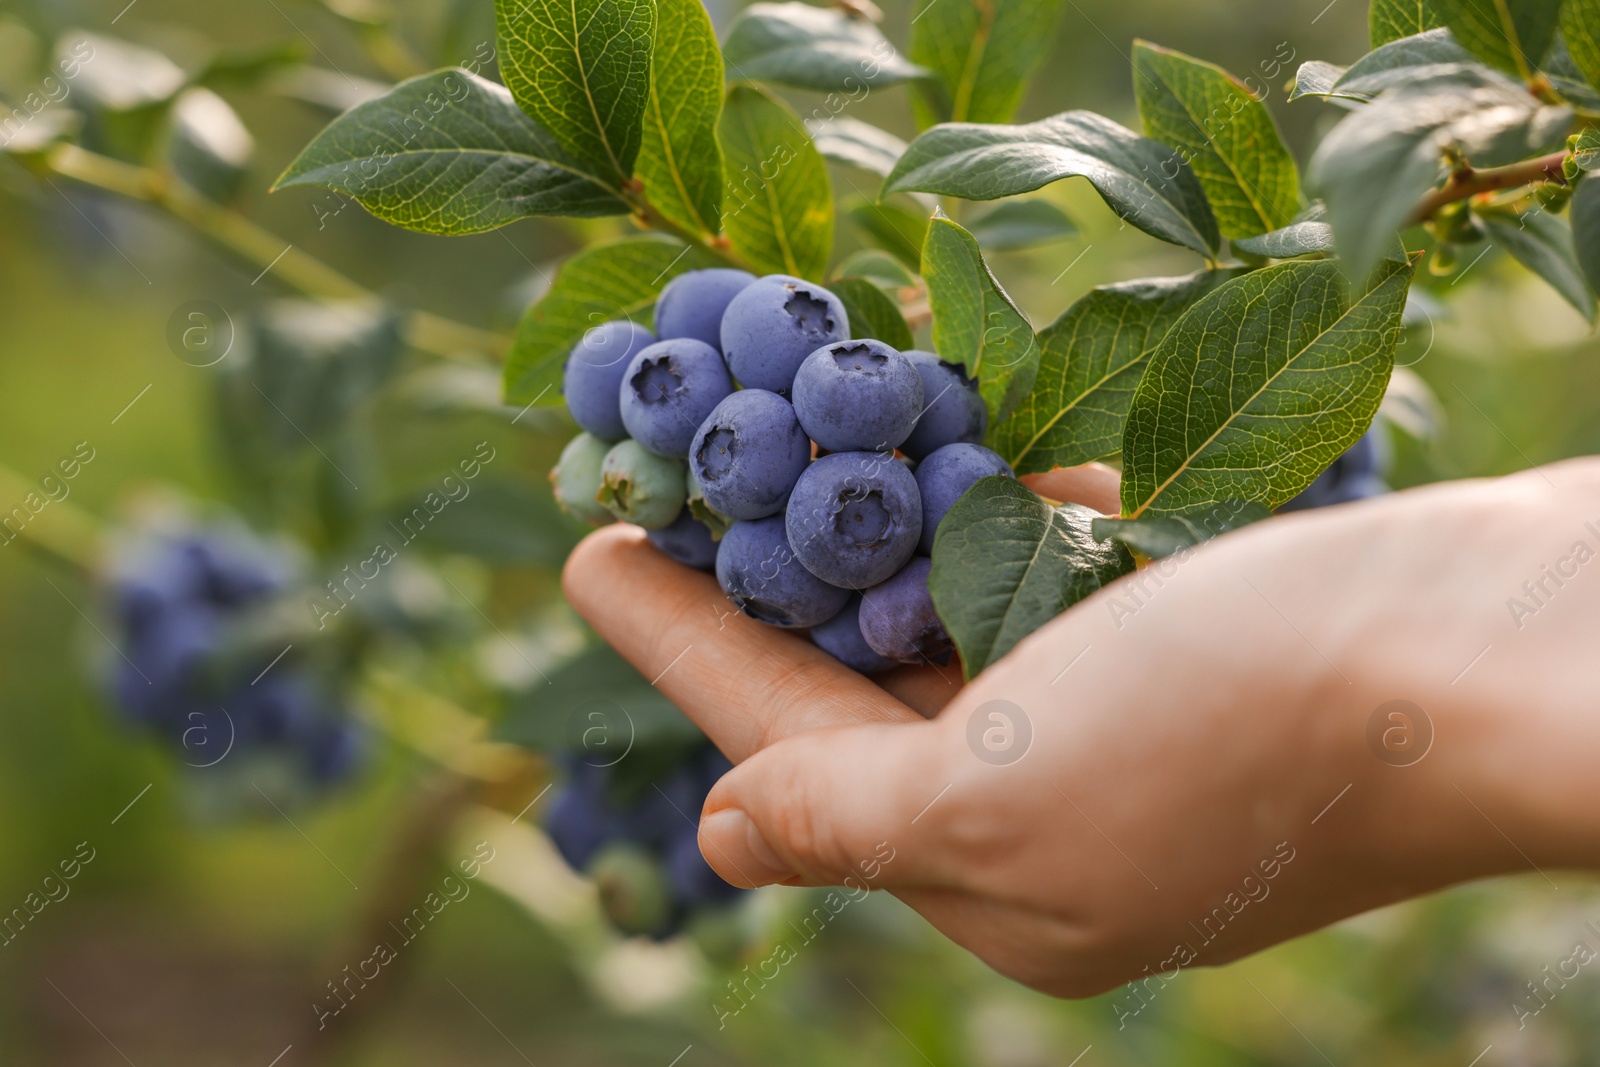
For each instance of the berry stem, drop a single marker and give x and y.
(1466, 182)
(294, 267)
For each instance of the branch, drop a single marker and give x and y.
(1467, 182)
(298, 269)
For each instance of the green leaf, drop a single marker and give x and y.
(813, 48)
(1306, 235)
(1585, 215)
(982, 53)
(878, 267)
(1005, 563)
(123, 90)
(1512, 35)
(1542, 242)
(897, 229)
(1399, 62)
(209, 146)
(974, 321)
(1224, 133)
(1567, 80)
(1580, 29)
(617, 281)
(449, 153)
(1315, 78)
(871, 312)
(1019, 224)
(1586, 149)
(778, 208)
(581, 69)
(1160, 536)
(1390, 20)
(679, 161)
(1143, 181)
(1089, 364)
(856, 144)
(1259, 387)
(1378, 163)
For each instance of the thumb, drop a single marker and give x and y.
(851, 805)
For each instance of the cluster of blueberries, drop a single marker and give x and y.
(642, 851)
(757, 440)
(178, 602)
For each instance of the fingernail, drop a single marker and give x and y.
(736, 848)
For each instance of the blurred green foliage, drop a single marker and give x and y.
(184, 942)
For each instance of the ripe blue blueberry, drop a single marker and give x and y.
(898, 620)
(952, 408)
(774, 324)
(575, 479)
(692, 304)
(857, 396)
(748, 454)
(854, 518)
(759, 572)
(841, 638)
(592, 381)
(640, 487)
(947, 473)
(688, 541)
(668, 390)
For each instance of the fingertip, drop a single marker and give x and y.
(735, 849)
(596, 558)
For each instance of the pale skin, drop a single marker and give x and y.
(1212, 728)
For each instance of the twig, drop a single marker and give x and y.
(1466, 182)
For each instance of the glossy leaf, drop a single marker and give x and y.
(778, 205)
(1021, 224)
(816, 48)
(871, 312)
(1259, 387)
(1224, 133)
(1399, 62)
(581, 69)
(1309, 233)
(1580, 29)
(1160, 536)
(1585, 216)
(476, 163)
(1005, 563)
(1586, 149)
(1543, 243)
(878, 267)
(616, 281)
(974, 322)
(1315, 78)
(1376, 165)
(679, 161)
(1390, 20)
(982, 53)
(1512, 35)
(1090, 362)
(1142, 180)
(856, 143)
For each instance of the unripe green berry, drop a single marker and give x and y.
(633, 890)
(575, 480)
(640, 487)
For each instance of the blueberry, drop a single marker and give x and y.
(945, 474)
(854, 518)
(760, 573)
(688, 541)
(774, 324)
(692, 304)
(230, 575)
(857, 396)
(578, 825)
(841, 638)
(952, 408)
(592, 382)
(898, 619)
(667, 392)
(748, 454)
(641, 487)
(575, 480)
(691, 878)
(1356, 475)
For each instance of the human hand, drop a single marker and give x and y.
(1199, 782)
